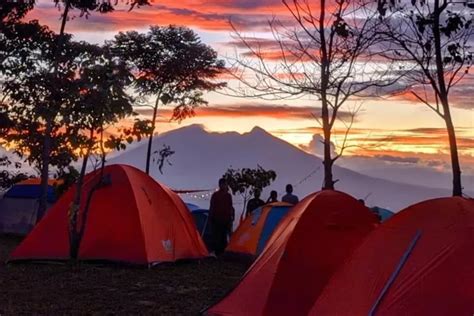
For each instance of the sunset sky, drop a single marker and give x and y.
(395, 129)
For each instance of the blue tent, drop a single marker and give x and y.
(30, 191)
(382, 212)
(192, 207)
(19, 207)
(201, 219)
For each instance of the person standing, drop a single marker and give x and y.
(221, 216)
(289, 197)
(254, 203)
(273, 197)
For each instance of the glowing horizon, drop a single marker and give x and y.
(406, 127)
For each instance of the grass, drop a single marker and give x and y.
(171, 289)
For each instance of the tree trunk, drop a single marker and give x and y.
(150, 137)
(95, 187)
(443, 96)
(327, 160)
(43, 201)
(102, 152)
(455, 165)
(75, 208)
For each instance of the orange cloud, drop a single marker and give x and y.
(255, 110)
(460, 95)
(214, 16)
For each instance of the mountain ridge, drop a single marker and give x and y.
(202, 157)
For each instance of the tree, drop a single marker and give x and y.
(162, 156)
(434, 39)
(68, 177)
(8, 177)
(326, 55)
(30, 91)
(85, 7)
(172, 65)
(13, 11)
(99, 100)
(246, 181)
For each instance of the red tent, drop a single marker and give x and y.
(132, 218)
(310, 243)
(419, 262)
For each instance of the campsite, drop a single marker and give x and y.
(237, 158)
(183, 289)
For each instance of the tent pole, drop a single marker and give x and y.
(395, 273)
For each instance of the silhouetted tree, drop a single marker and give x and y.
(162, 156)
(30, 91)
(68, 177)
(325, 55)
(101, 101)
(85, 7)
(432, 41)
(172, 65)
(10, 173)
(13, 11)
(246, 181)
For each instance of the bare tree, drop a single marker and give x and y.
(433, 38)
(325, 54)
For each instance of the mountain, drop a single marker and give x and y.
(202, 157)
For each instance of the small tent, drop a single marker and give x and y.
(420, 262)
(382, 213)
(131, 218)
(19, 206)
(253, 233)
(308, 246)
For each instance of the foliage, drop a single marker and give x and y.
(13, 11)
(246, 181)
(172, 65)
(31, 93)
(101, 6)
(162, 156)
(8, 176)
(432, 42)
(101, 101)
(69, 176)
(412, 31)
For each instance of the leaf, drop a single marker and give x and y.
(165, 98)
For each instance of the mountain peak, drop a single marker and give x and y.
(257, 130)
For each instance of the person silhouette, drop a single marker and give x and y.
(254, 203)
(289, 197)
(273, 197)
(221, 216)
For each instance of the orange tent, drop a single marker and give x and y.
(313, 240)
(254, 232)
(131, 218)
(419, 262)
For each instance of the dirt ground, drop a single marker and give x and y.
(172, 289)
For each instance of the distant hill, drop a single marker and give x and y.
(202, 157)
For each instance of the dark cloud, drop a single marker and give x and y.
(389, 158)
